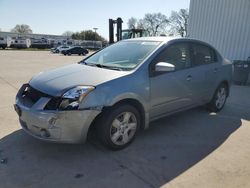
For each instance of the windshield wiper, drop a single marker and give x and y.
(103, 66)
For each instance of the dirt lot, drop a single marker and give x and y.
(190, 149)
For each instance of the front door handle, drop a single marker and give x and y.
(189, 78)
(215, 70)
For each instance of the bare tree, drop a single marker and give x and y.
(179, 22)
(132, 23)
(155, 23)
(23, 29)
(68, 33)
(140, 24)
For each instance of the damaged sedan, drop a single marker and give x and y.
(119, 90)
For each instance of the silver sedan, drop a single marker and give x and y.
(122, 88)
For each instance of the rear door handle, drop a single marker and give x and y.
(189, 78)
(215, 70)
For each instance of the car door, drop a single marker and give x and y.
(173, 91)
(205, 61)
(74, 50)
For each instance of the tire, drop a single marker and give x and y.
(219, 99)
(69, 54)
(118, 126)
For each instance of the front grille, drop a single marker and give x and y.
(31, 96)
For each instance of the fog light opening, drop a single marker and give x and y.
(44, 133)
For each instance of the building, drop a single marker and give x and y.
(16, 40)
(223, 23)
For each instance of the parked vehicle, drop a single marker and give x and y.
(3, 43)
(75, 50)
(59, 49)
(122, 88)
(20, 42)
(41, 43)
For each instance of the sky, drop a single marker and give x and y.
(58, 16)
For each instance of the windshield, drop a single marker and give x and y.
(124, 54)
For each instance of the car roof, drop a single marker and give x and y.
(166, 39)
(155, 39)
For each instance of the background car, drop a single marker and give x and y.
(59, 49)
(75, 50)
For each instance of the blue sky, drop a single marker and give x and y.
(57, 16)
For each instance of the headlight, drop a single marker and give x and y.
(74, 96)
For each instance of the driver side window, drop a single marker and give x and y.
(177, 55)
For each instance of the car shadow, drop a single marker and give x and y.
(168, 148)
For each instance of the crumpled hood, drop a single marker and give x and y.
(57, 81)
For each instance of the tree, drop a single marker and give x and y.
(179, 22)
(87, 35)
(23, 29)
(67, 33)
(155, 23)
(132, 23)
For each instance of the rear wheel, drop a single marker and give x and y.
(118, 126)
(219, 98)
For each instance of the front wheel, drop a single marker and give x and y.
(118, 127)
(219, 99)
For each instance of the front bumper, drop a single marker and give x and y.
(54, 125)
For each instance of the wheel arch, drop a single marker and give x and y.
(131, 101)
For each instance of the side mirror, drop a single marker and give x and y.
(164, 67)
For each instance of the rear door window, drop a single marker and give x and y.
(202, 55)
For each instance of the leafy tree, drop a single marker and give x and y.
(67, 33)
(179, 22)
(23, 29)
(88, 35)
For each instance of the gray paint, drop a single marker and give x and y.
(159, 95)
(223, 23)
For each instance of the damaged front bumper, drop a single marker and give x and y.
(54, 125)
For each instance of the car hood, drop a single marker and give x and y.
(57, 81)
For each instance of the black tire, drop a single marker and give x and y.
(69, 54)
(105, 126)
(214, 105)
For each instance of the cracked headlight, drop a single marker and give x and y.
(73, 97)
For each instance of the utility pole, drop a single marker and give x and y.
(95, 29)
